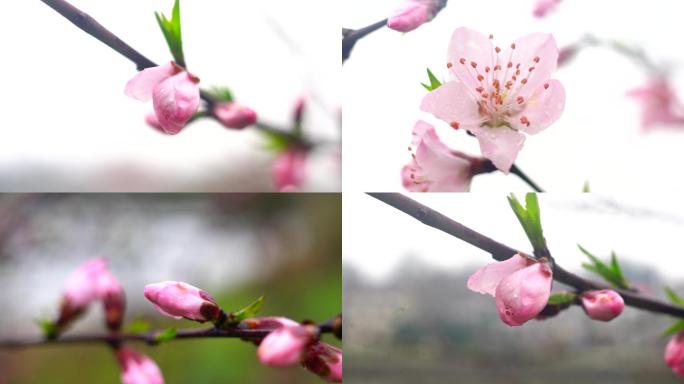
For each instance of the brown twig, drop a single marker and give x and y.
(351, 36)
(432, 218)
(332, 326)
(90, 26)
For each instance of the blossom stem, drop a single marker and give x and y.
(150, 337)
(351, 36)
(518, 172)
(90, 26)
(500, 252)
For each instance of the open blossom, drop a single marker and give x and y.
(603, 305)
(289, 169)
(543, 7)
(414, 14)
(137, 368)
(674, 353)
(286, 346)
(499, 94)
(235, 116)
(659, 104)
(325, 361)
(434, 167)
(181, 300)
(174, 93)
(520, 286)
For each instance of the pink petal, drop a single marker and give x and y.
(543, 108)
(453, 103)
(674, 353)
(410, 17)
(523, 294)
(142, 84)
(527, 49)
(435, 167)
(485, 279)
(175, 100)
(474, 47)
(500, 145)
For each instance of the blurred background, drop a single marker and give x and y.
(409, 316)
(237, 247)
(597, 139)
(69, 127)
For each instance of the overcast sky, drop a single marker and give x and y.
(598, 136)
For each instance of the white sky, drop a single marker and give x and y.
(64, 108)
(641, 228)
(596, 139)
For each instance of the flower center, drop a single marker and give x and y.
(497, 88)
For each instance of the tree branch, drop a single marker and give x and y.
(90, 26)
(500, 252)
(351, 36)
(333, 326)
(518, 172)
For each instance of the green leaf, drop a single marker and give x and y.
(674, 328)
(248, 311)
(611, 273)
(138, 325)
(673, 296)
(434, 83)
(530, 219)
(558, 298)
(276, 142)
(165, 335)
(48, 328)
(221, 93)
(585, 187)
(172, 32)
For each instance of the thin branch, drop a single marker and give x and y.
(90, 26)
(351, 36)
(432, 218)
(333, 326)
(518, 172)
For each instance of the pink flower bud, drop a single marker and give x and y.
(181, 300)
(289, 169)
(660, 106)
(113, 300)
(137, 368)
(175, 100)
(566, 54)
(153, 122)
(174, 93)
(273, 322)
(543, 7)
(674, 353)
(234, 115)
(604, 305)
(522, 295)
(325, 361)
(80, 289)
(286, 346)
(415, 14)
